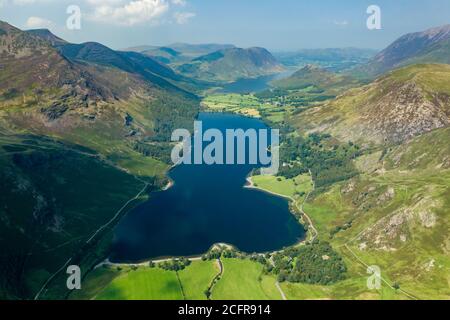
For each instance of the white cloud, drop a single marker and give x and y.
(37, 22)
(183, 17)
(122, 12)
(129, 14)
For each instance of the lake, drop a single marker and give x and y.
(207, 205)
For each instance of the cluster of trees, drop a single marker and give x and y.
(338, 229)
(228, 252)
(175, 264)
(160, 151)
(222, 252)
(293, 170)
(302, 96)
(328, 160)
(170, 112)
(315, 263)
(271, 94)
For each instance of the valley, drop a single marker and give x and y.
(86, 174)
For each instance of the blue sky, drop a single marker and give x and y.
(274, 24)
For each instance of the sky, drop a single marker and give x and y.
(278, 25)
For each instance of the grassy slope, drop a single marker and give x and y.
(54, 184)
(44, 94)
(413, 253)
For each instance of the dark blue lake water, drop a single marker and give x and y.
(207, 205)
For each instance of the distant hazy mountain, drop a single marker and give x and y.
(430, 46)
(178, 52)
(232, 64)
(140, 48)
(335, 59)
(197, 50)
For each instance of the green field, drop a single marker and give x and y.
(197, 278)
(143, 284)
(243, 280)
(291, 188)
(244, 104)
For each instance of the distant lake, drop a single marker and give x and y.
(207, 205)
(254, 84)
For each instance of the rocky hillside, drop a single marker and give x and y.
(394, 213)
(394, 108)
(430, 46)
(59, 90)
(232, 64)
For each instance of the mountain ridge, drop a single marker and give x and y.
(232, 64)
(429, 46)
(394, 108)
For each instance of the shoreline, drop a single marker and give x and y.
(251, 185)
(158, 260)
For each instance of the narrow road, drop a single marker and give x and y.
(382, 279)
(283, 296)
(214, 281)
(302, 210)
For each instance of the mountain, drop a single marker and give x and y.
(399, 106)
(48, 36)
(128, 61)
(335, 59)
(76, 121)
(311, 85)
(140, 48)
(232, 64)
(313, 76)
(178, 52)
(165, 55)
(429, 46)
(197, 50)
(389, 205)
(58, 90)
